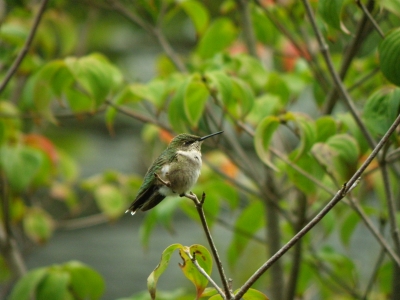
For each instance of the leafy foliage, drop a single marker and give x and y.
(262, 71)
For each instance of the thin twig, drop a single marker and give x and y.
(371, 18)
(14, 67)
(137, 116)
(338, 196)
(154, 31)
(335, 76)
(361, 32)
(83, 222)
(204, 273)
(199, 207)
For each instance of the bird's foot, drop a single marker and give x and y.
(166, 183)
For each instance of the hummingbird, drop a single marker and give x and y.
(173, 173)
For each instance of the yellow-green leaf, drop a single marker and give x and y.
(263, 136)
(38, 224)
(204, 259)
(157, 272)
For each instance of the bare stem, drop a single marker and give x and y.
(370, 17)
(14, 67)
(199, 207)
(137, 116)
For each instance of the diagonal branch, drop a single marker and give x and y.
(204, 273)
(346, 188)
(14, 67)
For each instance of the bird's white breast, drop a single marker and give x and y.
(183, 174)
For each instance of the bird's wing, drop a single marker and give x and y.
(150, 185)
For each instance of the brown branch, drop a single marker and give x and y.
(200, 211)
(139, 117)
(370, 18)
(14, 67)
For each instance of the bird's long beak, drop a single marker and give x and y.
(210, 135)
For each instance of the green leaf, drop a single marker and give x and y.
(346, 155)
(85, 282)
(310, 166)
(242, 100)
(347, 121)
(307, 129)
(157, 272)
(196, 95)
(326, 127)
(219, 35)
(198, 13)
(264, 105)
(263, 136)
(95, 75)
(110, 200)
(54, 285)
(348, 226)
(253, 294)
(391, 5)
(385, 277)
(20, 164)
(79, 102)
(38, 224)
(330, 11)
(381, 109)
(26, 287)
(264, 30)
(222, 83)
(389, 53)
(147, 226)
(204, 259)
(276, 85)
(176, 109)
(247, 224)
